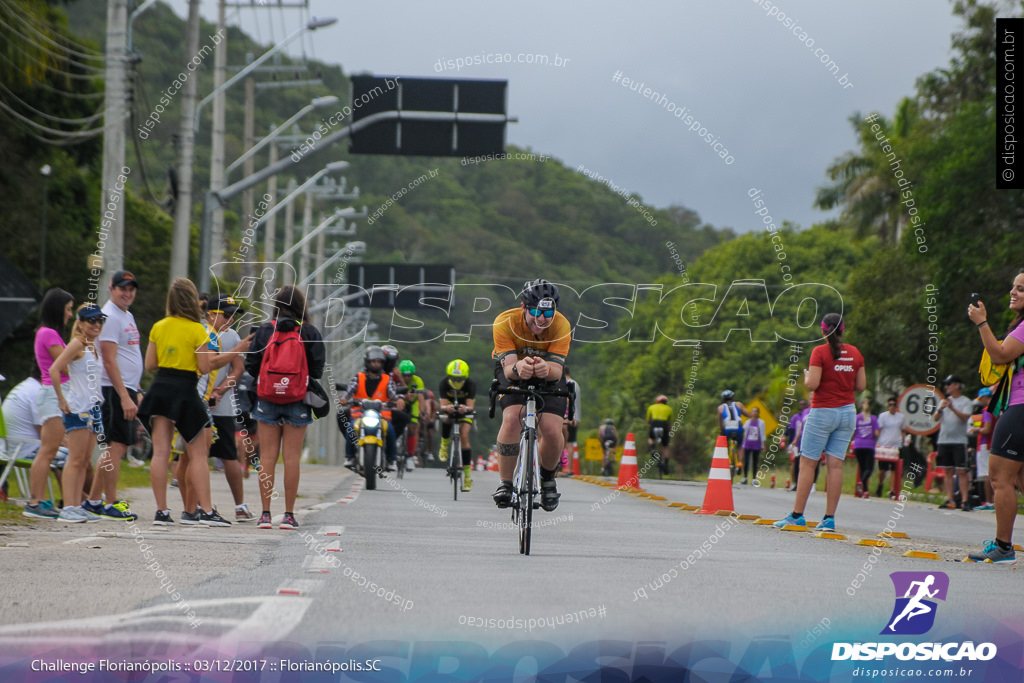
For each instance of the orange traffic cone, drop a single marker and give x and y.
(719, 493)
(492, 462)
(480, 463)
(629, 476)
(576, 459)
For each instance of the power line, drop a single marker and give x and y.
(47, 86)
(81, 77)
(90, 54)
(76, 135)
(57, 119)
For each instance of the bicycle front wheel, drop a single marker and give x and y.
(526, 499)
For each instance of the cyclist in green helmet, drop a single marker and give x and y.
(457, 388)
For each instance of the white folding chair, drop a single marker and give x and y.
(10, 451)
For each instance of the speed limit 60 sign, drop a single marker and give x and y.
(918, 404)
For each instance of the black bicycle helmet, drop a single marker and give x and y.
(390, 357)
(374, 353)
(536, 290)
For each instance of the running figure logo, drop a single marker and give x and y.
(914, 613)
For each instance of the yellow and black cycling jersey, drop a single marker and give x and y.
(659, 411)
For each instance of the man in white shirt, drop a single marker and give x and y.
(891, 428)
(121, 353)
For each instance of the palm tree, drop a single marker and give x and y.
(864, 184)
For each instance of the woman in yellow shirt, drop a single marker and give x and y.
(179, 352)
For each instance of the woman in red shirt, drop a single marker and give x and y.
(835, 374)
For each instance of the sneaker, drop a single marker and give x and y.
(40, 511)
(790, 520)
(174, 483)
(288, 521)
(827, 524)
(135, 462)
(163, 518)
(190, 518)
(212, 518)
(265, 521)
(351, 463)
(446, 445)
(94, 508)
(503, 495)
(72, 515)
(948, 505)
(89, 516)
(242, 513)
(986, 506)
(745, 481)
(467, 479)
(967, 507)
(549, 495)
(118, 511)
(995, 555)
(390, 466)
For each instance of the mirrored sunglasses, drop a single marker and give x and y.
(536, 312)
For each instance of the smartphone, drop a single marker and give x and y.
(252, 330)
(975, 299)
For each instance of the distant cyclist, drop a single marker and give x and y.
(412, 402)
(531, 342)
(659, 414)
(458, 396)
(730, 424)
(609, 439)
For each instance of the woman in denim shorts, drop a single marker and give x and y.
(835, 374)
(80, 404)
(282, 426)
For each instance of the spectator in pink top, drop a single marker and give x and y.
(55, 312)
(1006, 453)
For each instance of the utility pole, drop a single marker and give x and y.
(307, 226)
(183, 207)
(271, 244)
(114, 136)
(250, 166)
(220, 66)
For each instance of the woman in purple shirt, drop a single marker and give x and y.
(864, 437)
(54, 314)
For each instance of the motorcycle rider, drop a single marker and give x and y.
(371, 384)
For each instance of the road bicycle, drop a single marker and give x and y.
(657, 452)
(526, 477)
(455, 464)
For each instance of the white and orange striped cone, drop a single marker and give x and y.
(719, 493)
(480, 463)
(492, 462)
(629, 475)
(576, 459)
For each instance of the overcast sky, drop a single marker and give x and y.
(743, 74)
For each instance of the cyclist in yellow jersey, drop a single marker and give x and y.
(531, 342)
(659, 414)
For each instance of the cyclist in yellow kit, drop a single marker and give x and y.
(457, 392)
(659, 414)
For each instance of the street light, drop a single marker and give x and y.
(317, 103)
(313, 25)
(46, 171)
(214, 200)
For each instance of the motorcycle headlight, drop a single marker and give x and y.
(371, 420)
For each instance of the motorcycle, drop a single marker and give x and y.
(370, 435)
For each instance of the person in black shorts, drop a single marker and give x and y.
(951, 452)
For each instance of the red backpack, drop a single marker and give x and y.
(284, 373)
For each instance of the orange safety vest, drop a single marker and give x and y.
(380, 394)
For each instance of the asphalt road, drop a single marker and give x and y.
(370, 572)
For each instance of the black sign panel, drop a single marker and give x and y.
(398, 285)
(411, 137)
